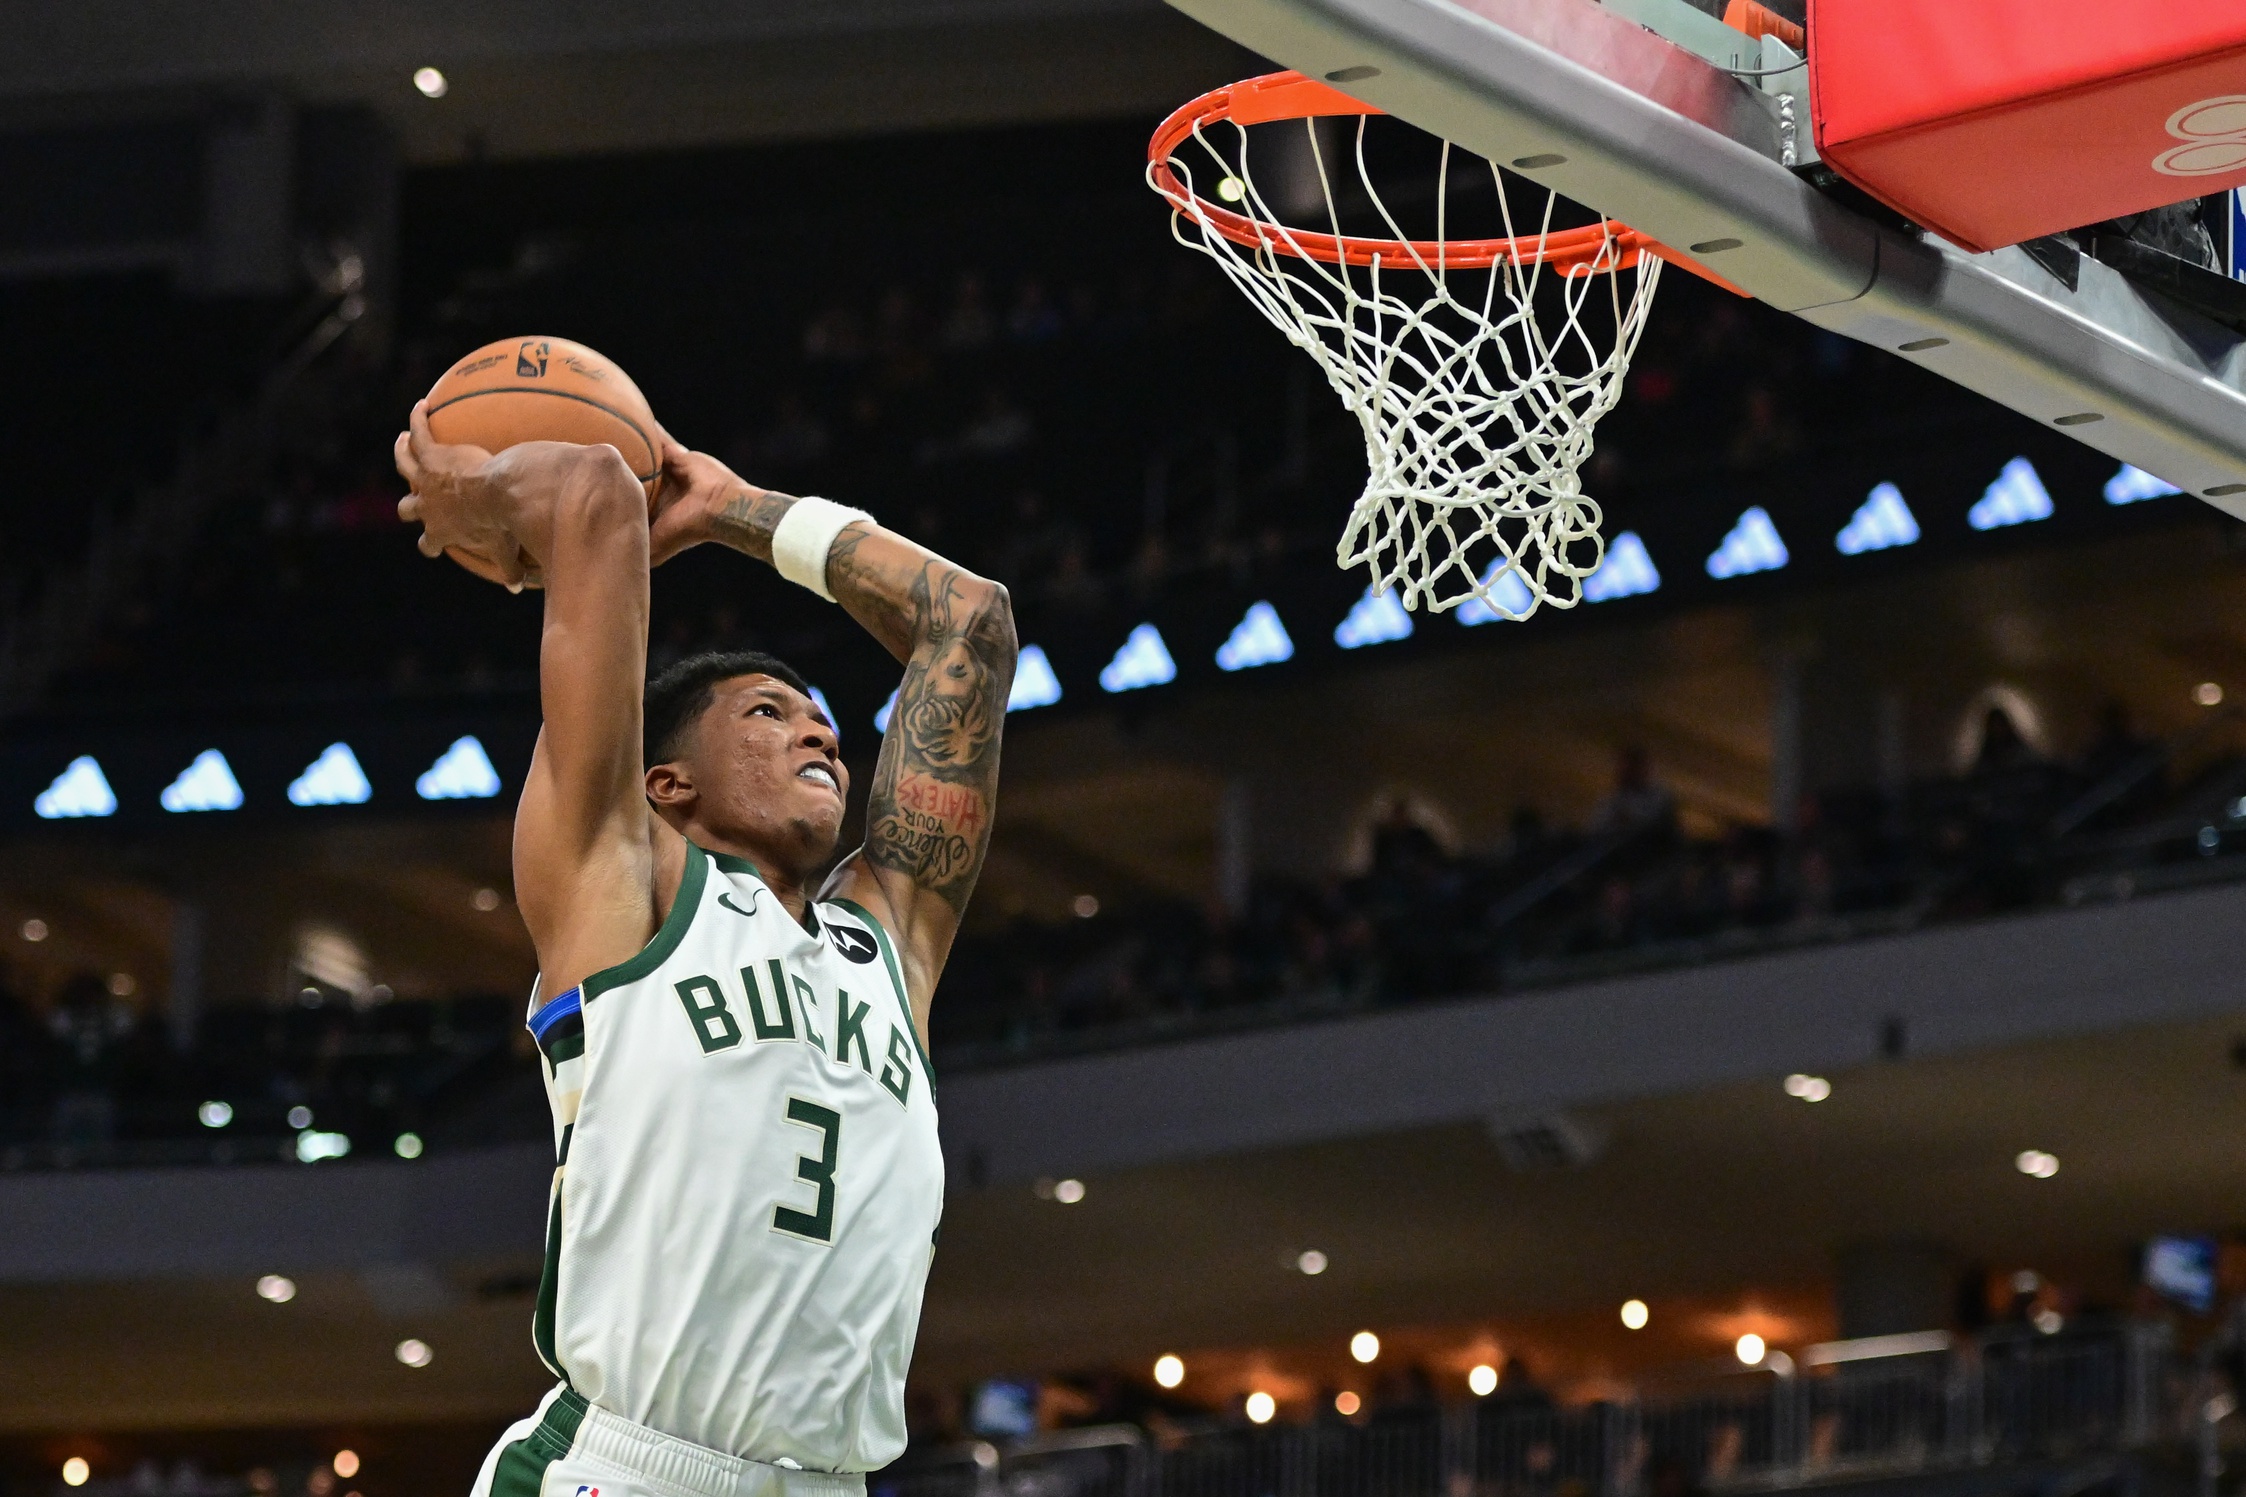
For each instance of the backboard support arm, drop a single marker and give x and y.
(1581, 99)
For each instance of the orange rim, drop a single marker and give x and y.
(1594, 249)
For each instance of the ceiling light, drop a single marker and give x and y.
(1068, 1192)
(2208, 694)
(1085, 906)
(432, 83)
(2036, 1163)
(414, 1353)
(1635, 1314)
(1750, 1349)
(312, 1146)
(215, 1114)
(346, 1464)
(1364, 1346)
(121, 985)
(1035, 685)
(1169, 1371)
(486, 900)
(2047, 1320)
(1347, 1403)
(276, 1289)
(80, 790)
(333, 779)
(1258, 639)
(206, 784)
(75, 1471)
(35, 930)
(407, 1146)
(1808, 1088)
(1311, 1262)
(1232, 189)
(300, 1116)
(462, 772)
(1482, 1380)
(1261, 1406)
(1143, 661)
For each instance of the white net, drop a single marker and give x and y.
(1477, 384)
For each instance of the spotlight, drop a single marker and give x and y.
(1635, 1314)
(1261, 1406)
(1169, 1371)
(2036, 1163)
(346, 1464)
(415, 1353)
(407, 1146)
(2207, 694)
(276, 1289)
(1232, 189)
(1364, 1346)
(432, 83)
(1312, 1262)
(215, 1114)
(1808, 1088)
(486, 900)
(35, 930)
(1068, 1192)
(1751, 1349)
(1085, 906)
(75, 1471)
(1347, 1403)
(1482, 1381)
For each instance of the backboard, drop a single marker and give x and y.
(1656, 114)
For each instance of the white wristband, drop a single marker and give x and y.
(804, 536)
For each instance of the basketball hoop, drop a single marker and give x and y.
(1477, 408)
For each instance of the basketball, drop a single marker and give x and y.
(546, 390)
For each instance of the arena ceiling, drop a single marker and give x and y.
(531, 79)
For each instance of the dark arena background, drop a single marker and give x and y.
(1779, 1025)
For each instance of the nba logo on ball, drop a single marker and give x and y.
(530, 361)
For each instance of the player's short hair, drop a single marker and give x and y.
(681, 693)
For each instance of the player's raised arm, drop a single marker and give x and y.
(574, 520)
(928, 818)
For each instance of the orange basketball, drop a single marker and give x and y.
(546, 390)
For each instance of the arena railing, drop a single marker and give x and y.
(2078, 1403)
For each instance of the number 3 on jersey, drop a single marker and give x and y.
(817, 1224)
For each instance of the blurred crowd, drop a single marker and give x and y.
(1424, 918)
(1097, 425)
(94, 1076)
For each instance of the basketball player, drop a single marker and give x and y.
(748, 1184)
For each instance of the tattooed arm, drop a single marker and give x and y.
(936, 788)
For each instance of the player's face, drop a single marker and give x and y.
(768, 769)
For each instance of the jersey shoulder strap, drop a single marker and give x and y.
(658, 951)
(896, 976)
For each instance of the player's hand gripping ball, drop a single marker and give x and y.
(541, 390)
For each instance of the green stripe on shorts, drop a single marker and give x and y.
(521, 1471)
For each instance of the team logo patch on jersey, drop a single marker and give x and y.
(854, 944)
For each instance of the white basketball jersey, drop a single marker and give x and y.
(749, 1183)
